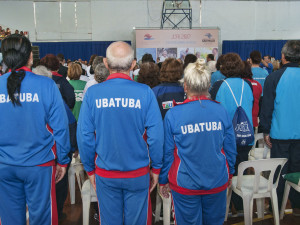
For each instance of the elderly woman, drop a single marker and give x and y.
(51, 62)
(101, 73)
(74, 73)
(169, 89)
(199, 142)
(232, 68)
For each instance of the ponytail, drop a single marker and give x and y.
(16, 51)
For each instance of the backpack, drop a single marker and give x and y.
(244, 133)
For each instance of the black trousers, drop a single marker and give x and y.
(62, 188)
(291, 151)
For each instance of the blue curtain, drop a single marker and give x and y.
(243, 48)
(74, 50)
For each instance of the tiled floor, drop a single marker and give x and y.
(74, 216)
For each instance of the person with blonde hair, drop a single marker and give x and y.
(74, 73)
(199, 152)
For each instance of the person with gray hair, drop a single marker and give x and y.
(42, 70)
(101, 73)
(120, 111)
(198, 133)
(280, 115)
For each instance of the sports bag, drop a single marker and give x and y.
(244, 133)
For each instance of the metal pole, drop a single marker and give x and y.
(200, 14)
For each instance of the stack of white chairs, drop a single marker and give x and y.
(250, 187)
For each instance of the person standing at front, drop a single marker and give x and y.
(119, 111)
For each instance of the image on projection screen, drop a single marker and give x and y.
(182, 52)
(142, 51)
(177, 43)
(164, 53)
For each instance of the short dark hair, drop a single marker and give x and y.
(189, 58)
(268, 56)
(247, 74)
(149, 74)
(171, 71)
(291, 51)
(232, 65)
(219, 62)
(255, 56)
(147, 58)
(210, 56)
(50, 62)
(60, 57)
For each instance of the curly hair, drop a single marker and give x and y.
(149, 74)
(51, 62)
(171, 71)
(232, 65)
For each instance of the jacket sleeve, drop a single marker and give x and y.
(86, 136)
(169, 147)
(155, 136)
(229, 144)
(268, 99)
(67, 91)
(58, 121)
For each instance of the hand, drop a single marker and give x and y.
(153, 180)
(268, 140)
(229, 183)
(164, 191)
(93, 182)
(75, 154)
(60, 173)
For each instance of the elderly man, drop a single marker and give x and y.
(119, 112)
(280, 115)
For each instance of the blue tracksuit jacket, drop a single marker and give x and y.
(280, 111)
(24, 139)
(166, 93)
(118, 111)
(199, 148)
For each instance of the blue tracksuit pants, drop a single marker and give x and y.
(124, 200)
(199, 209)
(34, 186)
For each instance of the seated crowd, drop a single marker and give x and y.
(176, 115)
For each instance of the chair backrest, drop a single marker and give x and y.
(260, 166)
(257, 137)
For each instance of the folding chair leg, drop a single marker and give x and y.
(284, 199)
(157, 207)
(274, 201)
(229, 193)
(260, 205)
(248, 209)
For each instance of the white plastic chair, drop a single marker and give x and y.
(88, 195)
(257, 187)
(166, 207)
(76, 169)
(262, 152)
(287, 188)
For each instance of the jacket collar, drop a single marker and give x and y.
(192, 99)
(54, 73)
(22, 68)
(118, 75)
(290, 65)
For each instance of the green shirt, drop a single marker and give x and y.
(78, 86)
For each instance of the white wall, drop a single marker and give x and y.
(105, 20)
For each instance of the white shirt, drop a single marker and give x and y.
(89, 84)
